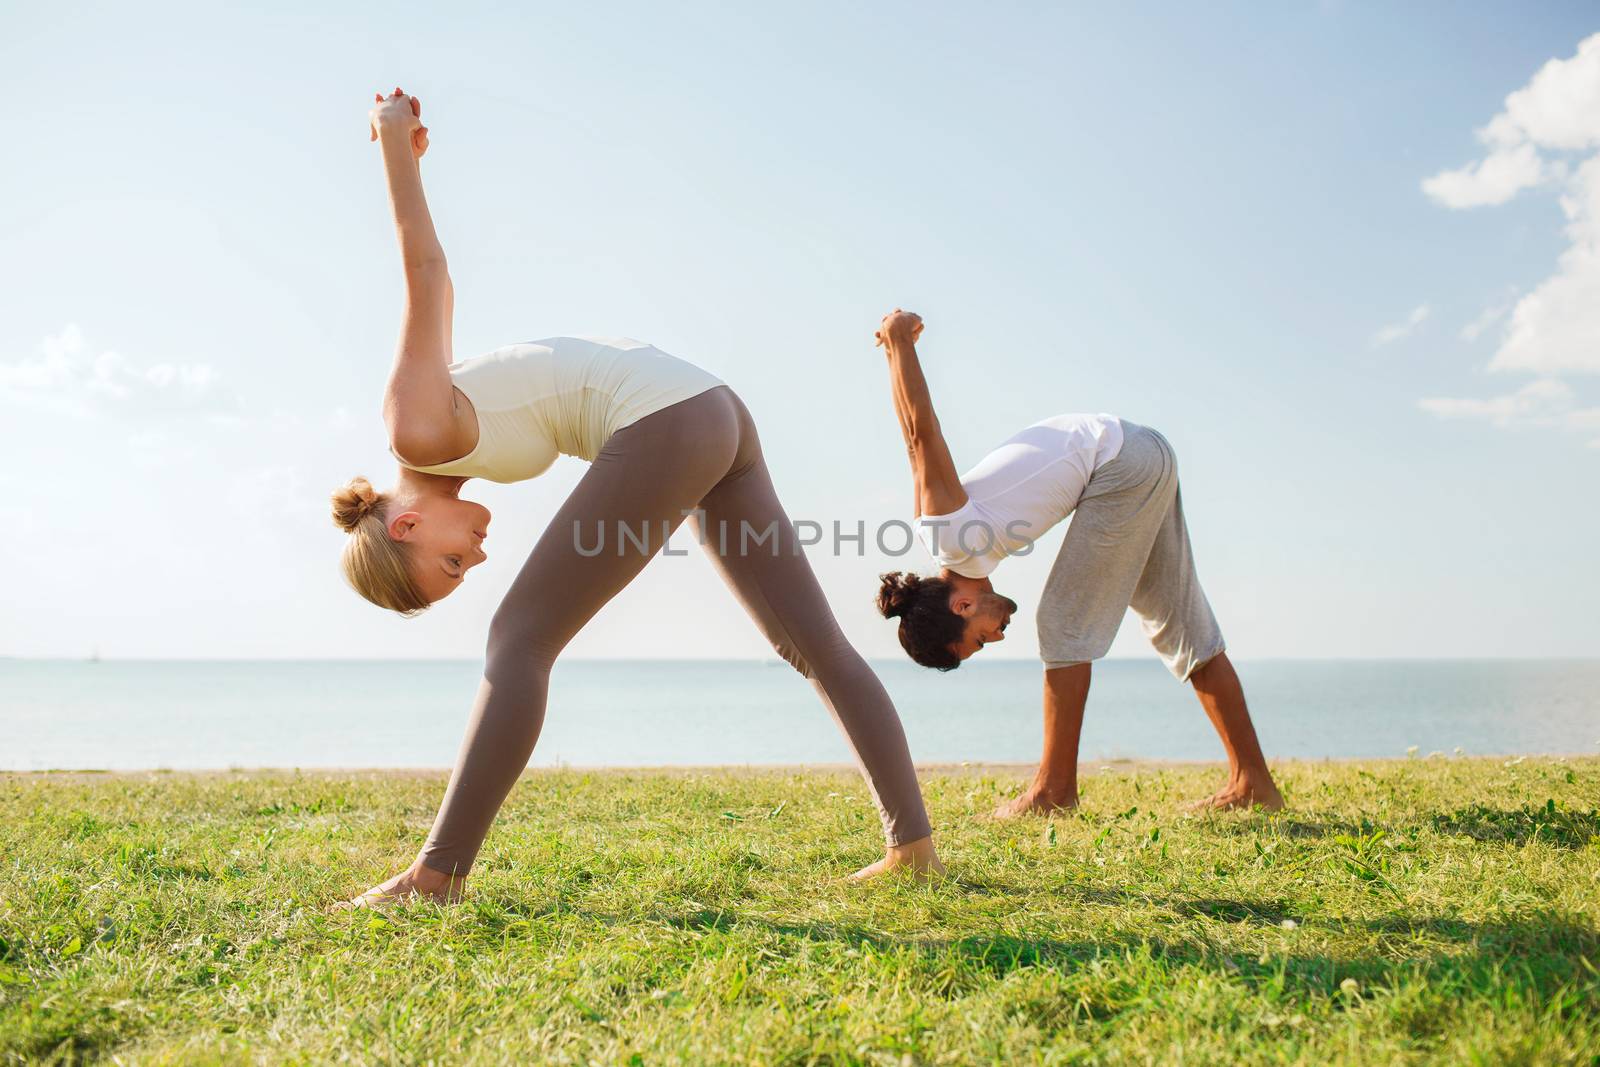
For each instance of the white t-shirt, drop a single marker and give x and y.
(1021, 489)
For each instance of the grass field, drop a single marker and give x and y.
(1431, 910)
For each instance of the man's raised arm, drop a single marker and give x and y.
(938, 486)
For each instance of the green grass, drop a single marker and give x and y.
(1419, 911)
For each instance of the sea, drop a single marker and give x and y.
(133, 715)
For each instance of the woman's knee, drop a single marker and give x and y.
(817, 654)
(790, 653)
(830, 658)
(522, 637)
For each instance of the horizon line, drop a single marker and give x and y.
(771, 661)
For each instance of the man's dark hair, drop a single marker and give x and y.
(928, 628)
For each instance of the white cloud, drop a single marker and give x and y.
(1542, 398)
(1395, 331)
(1542, 402)
(1481, 325)
(66, 376)
(1555, 328)
(1559, 107)
(1496, 178)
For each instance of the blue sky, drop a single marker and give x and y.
(1211, 220)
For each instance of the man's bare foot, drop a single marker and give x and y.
(1036, 801)
(917, 859)
(417, 880)
(1243, 792)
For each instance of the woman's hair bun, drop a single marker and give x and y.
(354, 501)
(897, 593)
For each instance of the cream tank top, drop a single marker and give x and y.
(562, 396)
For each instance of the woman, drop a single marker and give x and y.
(1128, 546)
(665, 440)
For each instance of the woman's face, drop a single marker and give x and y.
(445, 535)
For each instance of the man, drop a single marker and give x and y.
(1127, 546)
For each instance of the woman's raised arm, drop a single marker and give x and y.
(425, 423)
(938, 486)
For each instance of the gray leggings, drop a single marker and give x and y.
(699, 453)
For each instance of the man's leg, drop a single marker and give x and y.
(1249, 781)
(1178, 619)
(1100, 564)
(1055, 784)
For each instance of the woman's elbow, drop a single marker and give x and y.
(422, 447)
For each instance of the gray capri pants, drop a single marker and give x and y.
(700, 456)
(1128, 546)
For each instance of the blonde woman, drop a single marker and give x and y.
(665, 440)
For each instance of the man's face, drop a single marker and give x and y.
(987, 613)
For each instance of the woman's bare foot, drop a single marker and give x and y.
(417, 880)
(1036, 801)
(917, 859)
(1243, 792)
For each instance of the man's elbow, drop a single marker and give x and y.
(427, 272)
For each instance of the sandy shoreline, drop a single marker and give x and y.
(978, 768)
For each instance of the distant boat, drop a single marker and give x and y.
(94, 655)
